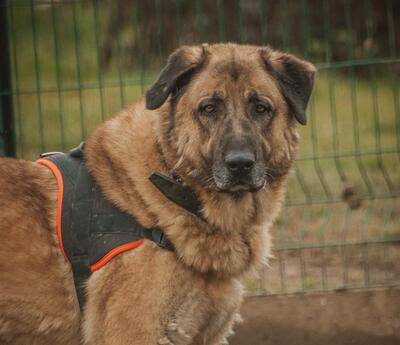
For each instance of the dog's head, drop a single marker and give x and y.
(228, 113)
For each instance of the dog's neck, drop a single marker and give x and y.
(124, 152)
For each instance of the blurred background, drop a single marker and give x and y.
(68, 65)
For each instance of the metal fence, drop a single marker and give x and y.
(74, 63)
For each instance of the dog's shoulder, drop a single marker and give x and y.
(26, 185)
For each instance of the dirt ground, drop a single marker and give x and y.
(342, 318)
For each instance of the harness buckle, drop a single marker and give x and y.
(161, 240)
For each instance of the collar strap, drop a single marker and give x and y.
(177, 192)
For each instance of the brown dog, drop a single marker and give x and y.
(221, 117)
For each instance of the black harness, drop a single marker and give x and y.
(92, 226)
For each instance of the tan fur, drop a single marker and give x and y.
(148, 295)
(37, 297)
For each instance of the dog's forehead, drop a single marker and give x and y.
(233, 61)
(235, 69)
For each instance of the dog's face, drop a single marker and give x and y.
(230, 123)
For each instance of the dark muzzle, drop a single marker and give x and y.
(240, 163)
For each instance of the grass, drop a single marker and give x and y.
(352, 140)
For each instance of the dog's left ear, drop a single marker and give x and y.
(181, 63)
(295, 78)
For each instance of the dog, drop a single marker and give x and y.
(221, 119)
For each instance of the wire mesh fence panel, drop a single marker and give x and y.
(75, 63)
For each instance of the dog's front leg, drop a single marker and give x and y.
(185, 321)
(219, 335)
(218, 329)
(175, 335)
(195, 324)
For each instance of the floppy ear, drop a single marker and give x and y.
(182, 62)
(295, 78)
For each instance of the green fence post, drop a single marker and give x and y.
(7, 136)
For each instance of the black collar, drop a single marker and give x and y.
(177, 192)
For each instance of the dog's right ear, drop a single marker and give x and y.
(183, 62)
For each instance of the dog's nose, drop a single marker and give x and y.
(240, 163)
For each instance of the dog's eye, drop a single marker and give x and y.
(209, 109)
(261, 109)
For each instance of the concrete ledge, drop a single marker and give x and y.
(340, 318)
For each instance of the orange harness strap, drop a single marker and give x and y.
(106, 258)
(60, 184)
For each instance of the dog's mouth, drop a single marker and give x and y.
(242, 188)
(230, 182)
(239, 187)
